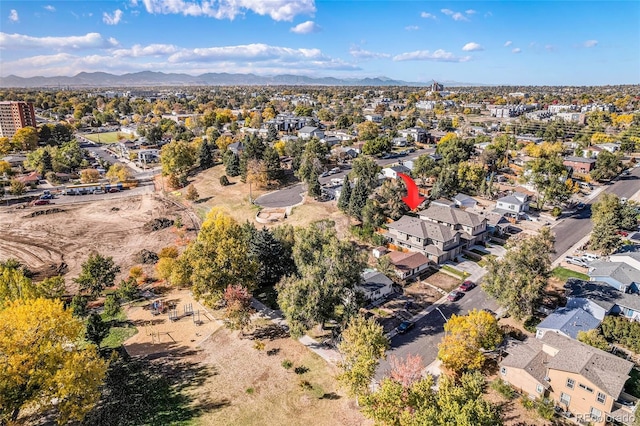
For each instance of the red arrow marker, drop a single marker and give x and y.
(413, 198)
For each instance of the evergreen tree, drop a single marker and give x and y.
(205, 156)
(45, 162)
(244, 161)
(272, 133)
(254, 148)
(233, 165)
(97, 329)
(314, 185)
(272, 163)
(345, 195)
(358, 199)
(273, 261)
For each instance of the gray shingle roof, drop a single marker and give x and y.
(619, 271)
(452, 216)
(580, 160)
(569, 321)
(510, 199)
(601, 294)
(307, 129)
(601, 368)
(416, 227)
(374, 280)
(529, 357)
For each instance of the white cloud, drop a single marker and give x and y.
(590, 43)
(360, 53)
(427, 15)
(278, 10)
(253, 52)
(516, 50)
(50, 8)
(112, 19)
(13, 16)
(550, 47)
(472, 47)
(412, 28)
(508, 43)
(470, 12)
(133, 3)
(439, 55)
(456, 16)
(306, 28)
(138, 50)
(90, 40)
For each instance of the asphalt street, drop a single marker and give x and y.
(572, 229)
(423, 339)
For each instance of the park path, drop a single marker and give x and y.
(331, 355)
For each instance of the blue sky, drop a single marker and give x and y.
(496, 42)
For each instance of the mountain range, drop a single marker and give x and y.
(151, 78)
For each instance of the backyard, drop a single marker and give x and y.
(108, 137)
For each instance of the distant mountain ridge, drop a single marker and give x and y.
(152, 78)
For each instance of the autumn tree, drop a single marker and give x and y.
(89, 176)
(119, 172)
(98, 272)
(216, 259)
(192, 193)
(363, 345)
(593, 338)
(26, 138)
(406, 371)
(608, 165)
(14, 284)
(237, 307)
(17, 187)
(465, 337)
(368, 130)
(177, 157)
(517, 281)
(43, 363)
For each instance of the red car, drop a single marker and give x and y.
(467, 285)
(454, 295)
(41, 202)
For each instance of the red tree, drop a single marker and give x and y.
(238, 306)
(407, 371)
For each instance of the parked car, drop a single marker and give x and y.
(576, 261)
(454, 295)
(580, 206)
(46, 197)
(324, 174)
(41, 202)
(467, 285)
(98, 191)
(112, 190)
(405, 326)
(336, 170)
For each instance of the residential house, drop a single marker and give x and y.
(399, 141)
(592, 151)
(392, 172)
(465, 201)
(516, 204)
(409, 264)
(580, 164)
(308, 132)
(630, 258)
(618, 275)
(611, 147)
(236, 148)
(529, 138)
(600, 299)
(472, 227)
(436, 241)
(497, 224)
(32, 179)
(375, 285)
(443, 202)
(15, 160)
(376, 118)
(567, 322)
(418, 134)
(331, 140)
(571, 117)
(580, 379)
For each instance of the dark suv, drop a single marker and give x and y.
(405, 326)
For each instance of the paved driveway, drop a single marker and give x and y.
(282, 198)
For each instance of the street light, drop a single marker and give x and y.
(443, 315)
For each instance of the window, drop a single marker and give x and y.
(601, 397)
(596, 414)
(585, 387)
(565, 399)
(503, 371)
(571, 383)
(539, 388)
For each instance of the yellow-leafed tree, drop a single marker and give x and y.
(43, 364)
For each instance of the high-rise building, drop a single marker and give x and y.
(15, 115)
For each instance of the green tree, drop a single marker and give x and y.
(98, 272)
(455, 150)
(128, 290)
(379, 145)
(363, 345)
(272, 133)
(549, 176)
(273, 260)
(111, 306)
(389, 196)
(608, 166)
(425, 167)
(97, 329)
(606, 215)
(46, 164)
(271, 159)
(26, 138)
(52, 287)
(368, 130)
(345, 195)
(314, 189)
(14, 284)
(518, 280)
(365, 168)
(232, 167)
(205, 156)
(358, 199)
(45, 364)
(593, 338)
(177, 157)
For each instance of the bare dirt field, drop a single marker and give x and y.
(443, 281)
(422, 293)
(257, 390)
(234, 200)
(59, 242)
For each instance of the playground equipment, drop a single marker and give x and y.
(157, 307)
(173, 314)
(150, 330)
(187, 309)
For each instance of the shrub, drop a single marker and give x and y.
(287, 364)
(530, 324)
(301, 370)
(258, 345)
(136, 272)
(192, 193)
(503, 388)
(111, 306)
(305, 385)
(79, 306)
(545, 408)
(527, 403)
(169, 251)
(557, 211)
(250, 391)
(224, 180)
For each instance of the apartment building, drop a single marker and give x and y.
(15, 115)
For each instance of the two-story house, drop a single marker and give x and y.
(515, 204)
(580, 165)
(600, 299)
(436, 241)
(375, 285)
(585, 382)
(308, 132)
(618, 275)
(472, 227)
(418, 134)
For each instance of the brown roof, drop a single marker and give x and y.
(407, 261)
(423, 229)
(451, 215)
(529, 357)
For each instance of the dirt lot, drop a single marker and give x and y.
(61, 241)
(443, 281)
(258, 390)
(234, 199)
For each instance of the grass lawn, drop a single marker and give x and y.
(485, 260)
(108, 137)
(460, 274)
(565, 273)
(120, 330)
